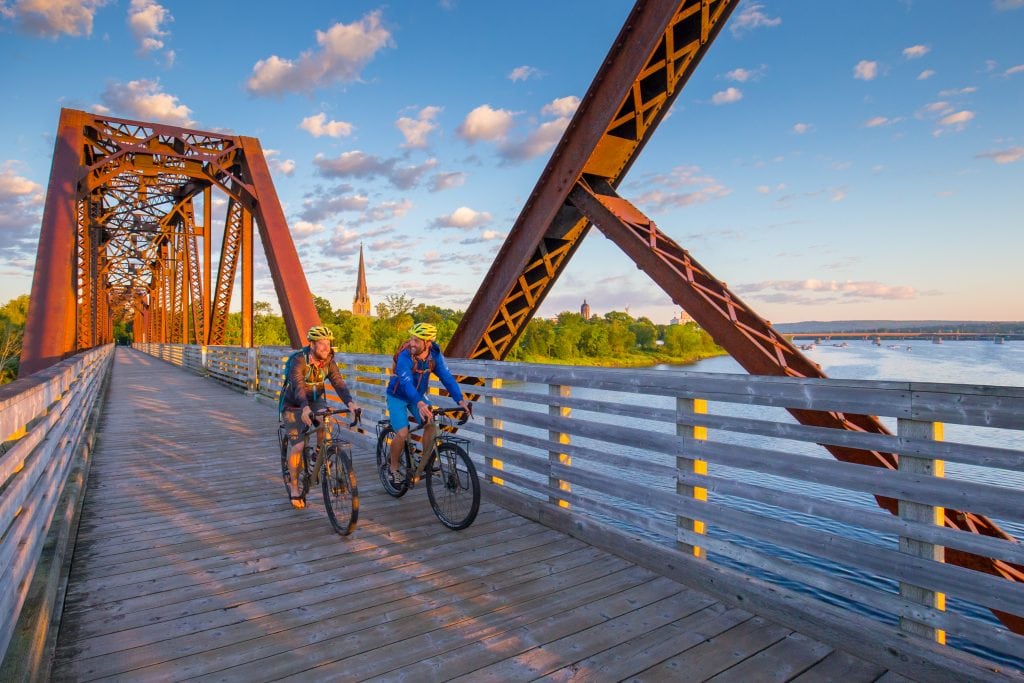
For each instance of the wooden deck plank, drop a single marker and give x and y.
(841, 666)
(191, 565)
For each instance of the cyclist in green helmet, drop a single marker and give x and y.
(305, 390)
(416, 360)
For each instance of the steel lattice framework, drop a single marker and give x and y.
(652, 58)
(120, 238)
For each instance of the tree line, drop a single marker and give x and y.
(614, 339)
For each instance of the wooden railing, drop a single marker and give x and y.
(45, 420)
(707, 478)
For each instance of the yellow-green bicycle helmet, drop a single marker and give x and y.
(319, 332)
(424, 331)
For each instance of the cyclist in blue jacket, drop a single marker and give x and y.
(415, 361)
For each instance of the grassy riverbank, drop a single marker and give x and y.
(632, 360)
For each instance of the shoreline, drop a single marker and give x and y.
(633, 361)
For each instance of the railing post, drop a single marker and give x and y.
(253, 376)
(687, 410)
(926, 514)
(494, 423)
(557, 390)
(205, 361)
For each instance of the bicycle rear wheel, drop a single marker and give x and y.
(397, 488)
(341, 495)
(453, 487)
(282, 439)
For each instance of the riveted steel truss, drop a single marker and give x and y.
(657, 50)
(120, 239)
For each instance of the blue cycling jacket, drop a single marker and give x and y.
(412, 377)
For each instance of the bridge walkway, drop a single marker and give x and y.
(190, 564)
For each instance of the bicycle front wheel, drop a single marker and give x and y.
(453, 487)
(341, 495)
(398, 487)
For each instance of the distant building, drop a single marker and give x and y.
(585, 310)
(361, 302)
(683, 318)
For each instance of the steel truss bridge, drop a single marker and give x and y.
(127, 231)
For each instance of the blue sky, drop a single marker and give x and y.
(828, 160)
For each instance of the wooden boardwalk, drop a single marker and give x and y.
(191, 565)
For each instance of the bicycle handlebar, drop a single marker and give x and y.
(319, 414)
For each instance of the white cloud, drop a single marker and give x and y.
(146, 19)
(283, 166)
(562, 106)
(1004, 156)
(1014, 70)
(522, 73)
(1003, 5)
(318, 126)
(21, 202)
(674, 189)
(486, 124)
(916, 51)
(358, 164)
(865, 70)
(745, 75)
(416, 130)
(343, 51)
(848, 290)
(143, 100)
(303, 229)
(802, 128)
(879, 121)
(957, 120)
(925, 75)
(447, 181)
(727, 96)
(750, 17)
(463, 218)
(958, 91)
(52, 18)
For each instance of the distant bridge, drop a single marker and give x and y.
(944, 336)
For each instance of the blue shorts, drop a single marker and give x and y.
(399, 411)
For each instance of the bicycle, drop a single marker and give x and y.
(334, 461)
(452, 484)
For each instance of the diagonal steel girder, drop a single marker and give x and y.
(659, 46)
(652, 58)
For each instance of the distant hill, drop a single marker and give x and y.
(827, 326)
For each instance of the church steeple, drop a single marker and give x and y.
(361, 302)
(585, 310)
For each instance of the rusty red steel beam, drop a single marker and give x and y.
(50, 324)
(293, 291)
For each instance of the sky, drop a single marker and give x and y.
(850, 159)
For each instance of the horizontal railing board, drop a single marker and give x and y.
(573, 450)
(873, 519)
(997, 501)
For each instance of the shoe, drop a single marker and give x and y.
(395, 476)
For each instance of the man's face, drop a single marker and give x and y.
(417, 345)
(320, 349)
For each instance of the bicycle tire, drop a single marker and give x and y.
(399, 488)
(303, 466)
(453, 487)
(341, 494)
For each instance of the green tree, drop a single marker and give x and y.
(12, 330)
(645, 332)
(324, 309)
(395, 305)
